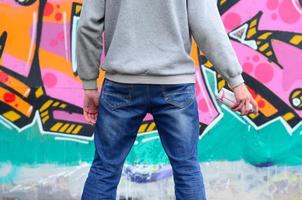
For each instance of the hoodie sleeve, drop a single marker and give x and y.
(209, 33)
(89, 41)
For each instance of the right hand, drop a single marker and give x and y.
(243, 99)
(91, 105)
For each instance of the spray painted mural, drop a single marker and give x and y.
(46, 145)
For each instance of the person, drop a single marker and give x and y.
(148, 69)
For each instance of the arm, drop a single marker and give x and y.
(89, 41)
(209, 33)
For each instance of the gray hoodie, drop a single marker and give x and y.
(150, 41)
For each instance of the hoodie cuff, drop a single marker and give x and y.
(235, 81)
(90, 84)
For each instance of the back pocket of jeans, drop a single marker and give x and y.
(115, 94)
(179, 95)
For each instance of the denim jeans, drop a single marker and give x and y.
(122, 108)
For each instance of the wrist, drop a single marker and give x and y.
(241, 84)
(236, 81)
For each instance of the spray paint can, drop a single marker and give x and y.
(228, 98)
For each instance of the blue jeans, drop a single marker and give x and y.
(122, 108)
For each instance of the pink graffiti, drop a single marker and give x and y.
(17, 65)
(53, 39)
(72, 117)
(277, 15)
(291, 72)
(281, 15)
(60, 86)
(276, 78)
(288, 12)
(206, 109)
(297, 6)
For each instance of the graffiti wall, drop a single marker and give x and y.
(46, 146)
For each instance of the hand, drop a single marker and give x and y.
(91, 105)
(243, 98)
